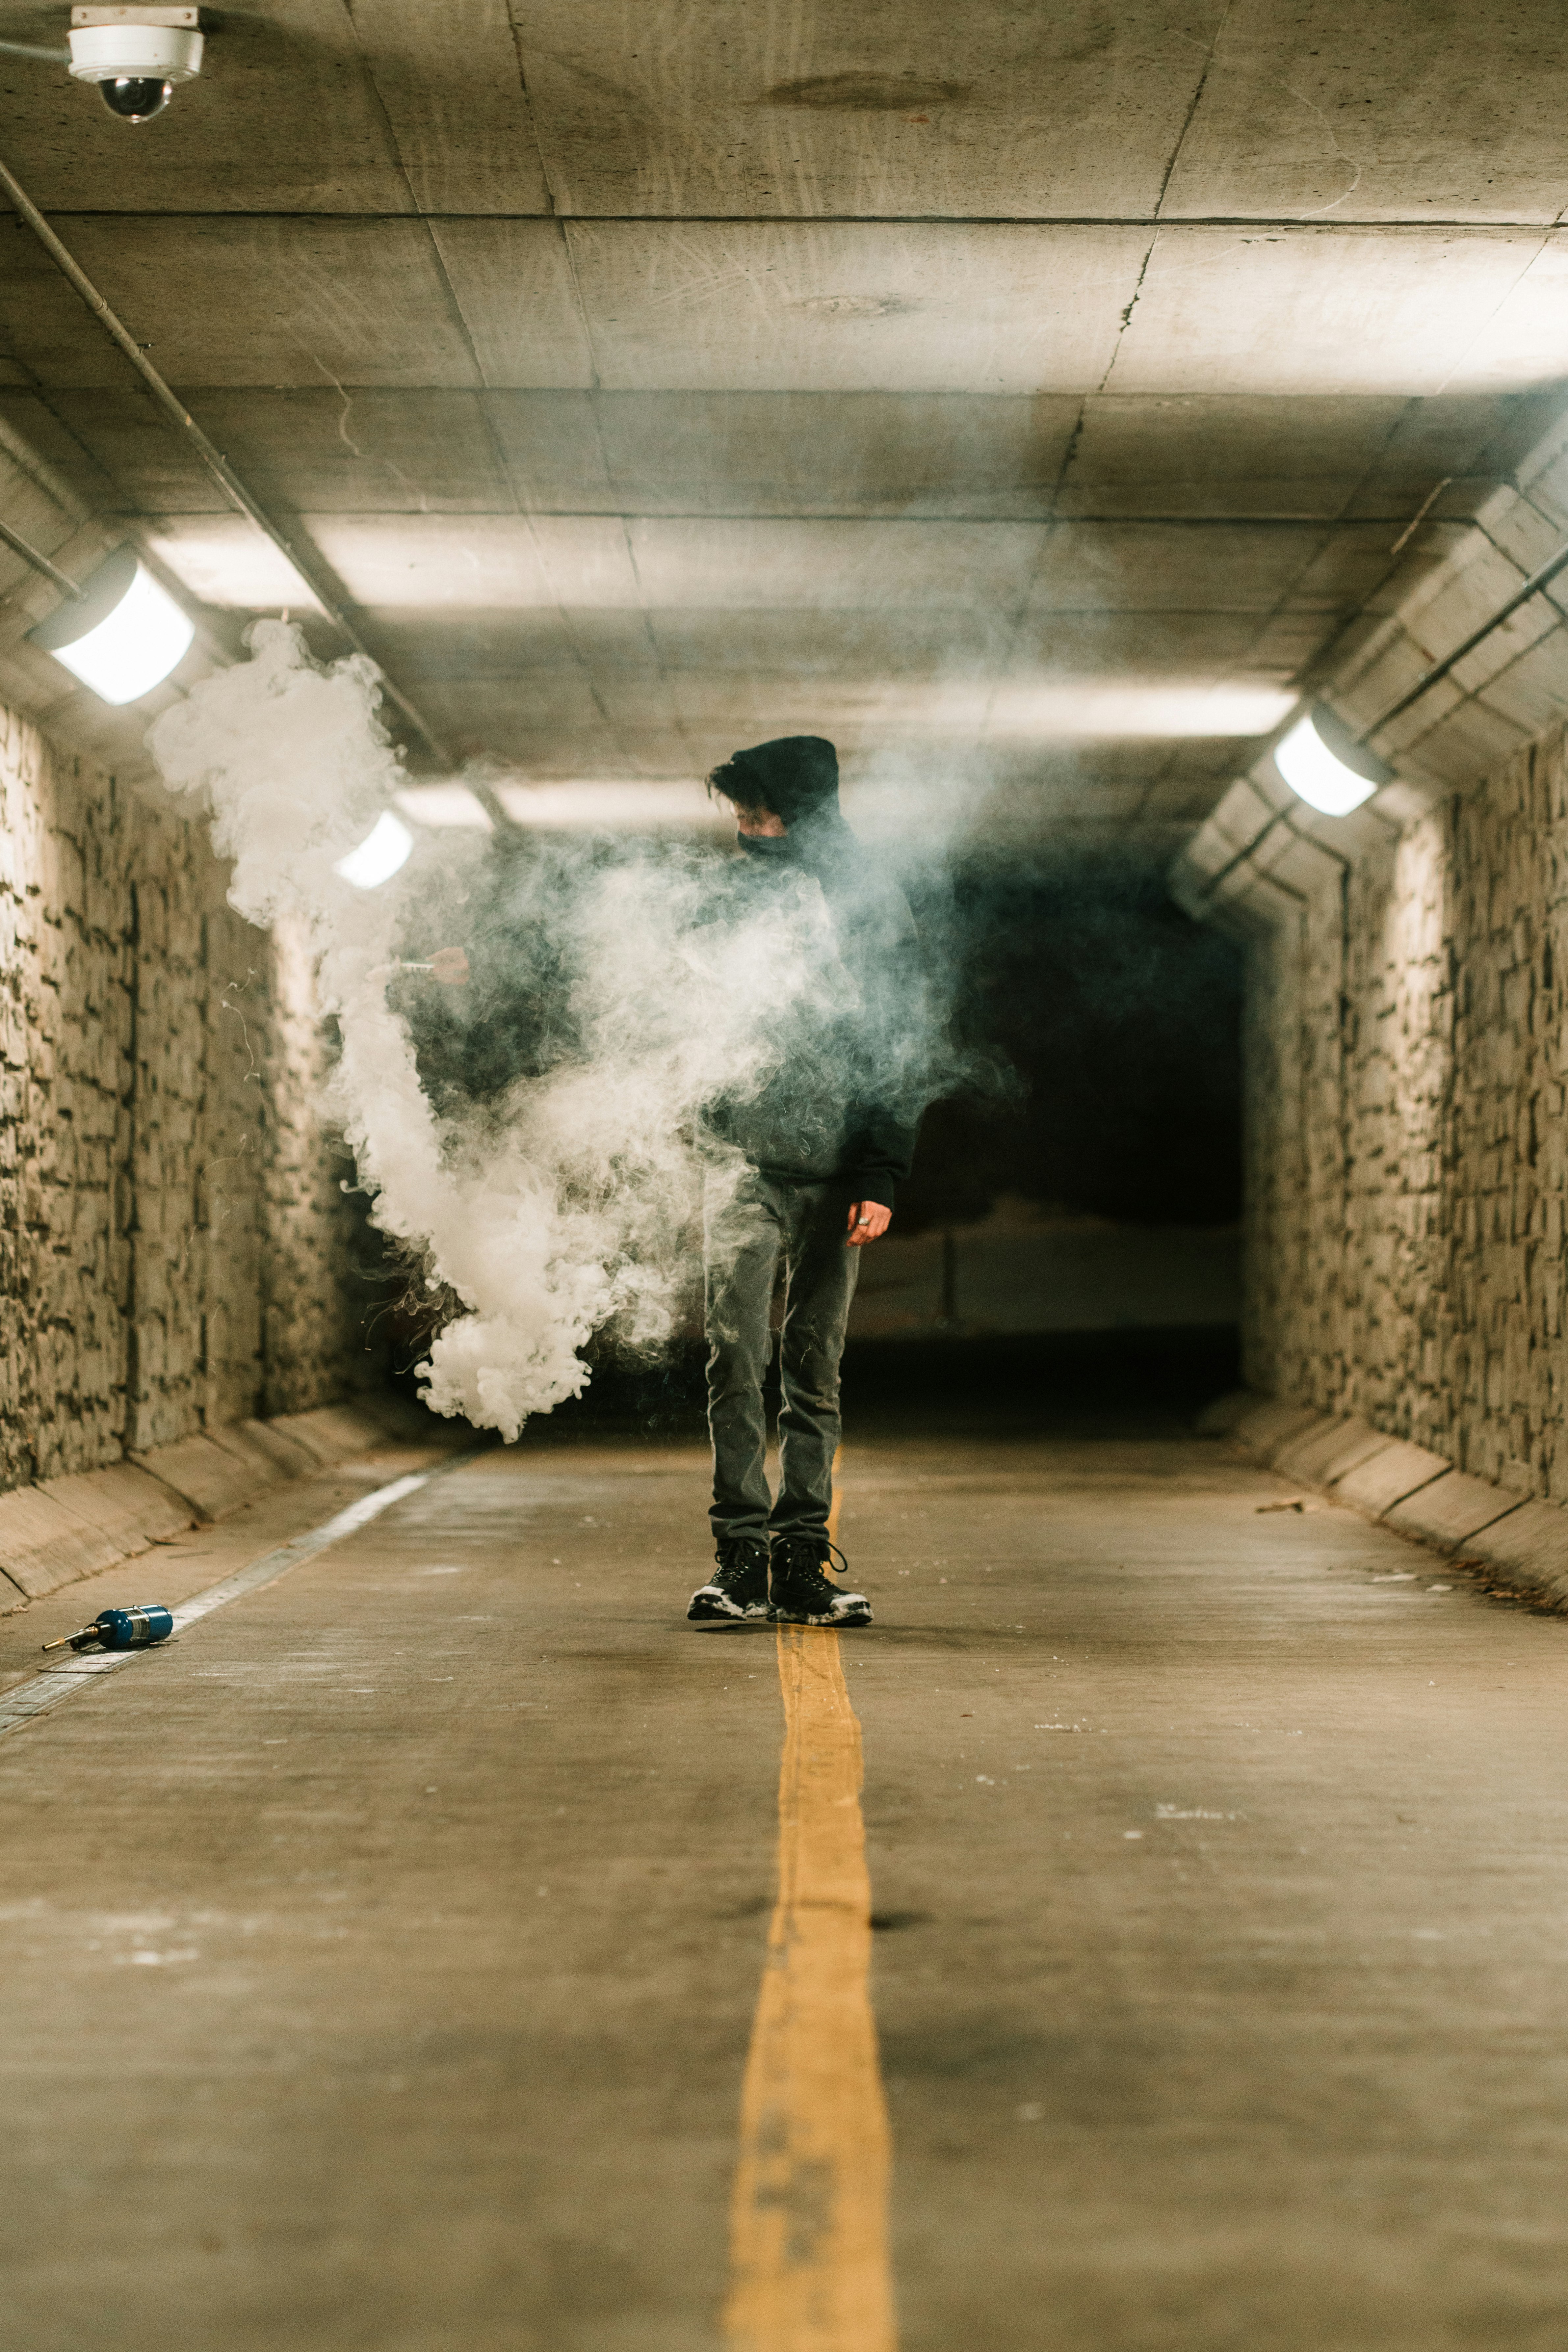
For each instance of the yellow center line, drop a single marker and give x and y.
(808, 2220)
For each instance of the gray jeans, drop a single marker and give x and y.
(746, 1229)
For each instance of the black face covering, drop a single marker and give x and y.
(767, 845)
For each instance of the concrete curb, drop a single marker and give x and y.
(66, 1528)
(1521, 1540)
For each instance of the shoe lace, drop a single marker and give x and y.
(740, 1555)
(821, 1560)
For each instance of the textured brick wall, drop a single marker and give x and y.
(174, 1247)
(1408, 1058)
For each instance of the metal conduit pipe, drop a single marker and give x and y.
(1439, 670)
(222, 472)
(40, 562)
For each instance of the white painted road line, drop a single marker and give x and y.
(55, 1683)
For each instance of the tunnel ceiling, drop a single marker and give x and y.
(1029, 393)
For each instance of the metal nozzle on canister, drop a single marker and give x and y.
(135, 1628)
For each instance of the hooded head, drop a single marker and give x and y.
(796, 776)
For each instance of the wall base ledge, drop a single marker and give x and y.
(63, 1529)
(1521, 1541)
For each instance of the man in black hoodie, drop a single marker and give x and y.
(816, 1148)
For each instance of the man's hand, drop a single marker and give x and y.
(867, 1222)
(450, 965)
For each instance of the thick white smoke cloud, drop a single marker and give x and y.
(569, 1203)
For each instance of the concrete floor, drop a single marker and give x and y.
(380, 1962)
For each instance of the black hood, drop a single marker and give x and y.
(796, 776)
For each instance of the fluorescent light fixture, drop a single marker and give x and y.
(384, 849)
(1324, 765)
(444, 804)
(1132, 709)
(124, 636)
(596, 807)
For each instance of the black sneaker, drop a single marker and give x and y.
(800, 1593)
(739, 1586)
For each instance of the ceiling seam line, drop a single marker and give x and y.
(1104, 385)
(1154, 520)
(1544, 248)
(1196, 102)
(516, 31)
(1016, 630)
(659, 670)
(579, 299)
(1173, 222)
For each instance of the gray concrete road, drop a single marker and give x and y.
(380, 1962)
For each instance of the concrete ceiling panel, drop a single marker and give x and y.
(478, 717)
(328, 452)
(1412, 110)
(488, 646)
(902, 643)
(553, 452)
(823, 566)
(860, 453)
(557, 701)
(751, 708)
(116, 451)
(1142, 567)
(226, 562)
(1347, 565)
(737, 306)
(1184, 800)
(1346, 312)
(241, 301)
(34, 426)
(1464, 439)
(1220, 453)
(1014, 765)
(1524, 340)
(452, 88)
(480, 563)
(512, 284)
(321, 450)
(1285, 644)
(862, 107)
(1203, 646)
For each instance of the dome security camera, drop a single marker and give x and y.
(135, 56)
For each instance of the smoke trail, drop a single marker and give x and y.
(564, 1202)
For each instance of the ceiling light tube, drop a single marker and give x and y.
(379, 855)
(124, 635)
(1325, 766)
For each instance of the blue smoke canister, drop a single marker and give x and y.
(136, 1628)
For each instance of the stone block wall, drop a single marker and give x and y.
(1407, 1134)
(176, 1248)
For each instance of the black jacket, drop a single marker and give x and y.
(842, 1066)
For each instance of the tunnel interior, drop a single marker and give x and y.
(1127, 442)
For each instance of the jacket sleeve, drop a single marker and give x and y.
(896, 1050)
(884, 1157)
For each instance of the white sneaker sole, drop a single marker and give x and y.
(853, 1610)
(710, 1602)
